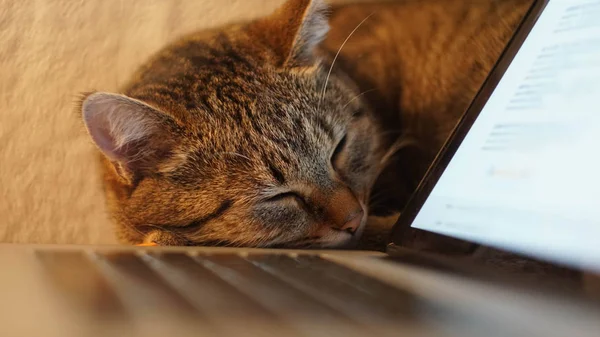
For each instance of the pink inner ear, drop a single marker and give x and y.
(99, 128)
(126, 130)
(106, 143)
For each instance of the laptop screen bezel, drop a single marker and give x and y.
(403, 235)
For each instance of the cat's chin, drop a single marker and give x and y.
(338, 240)
(344, 241)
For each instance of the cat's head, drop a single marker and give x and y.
(239, 136)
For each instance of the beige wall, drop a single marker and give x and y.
(50, 50)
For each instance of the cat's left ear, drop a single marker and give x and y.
(293, 31)
(134, 136)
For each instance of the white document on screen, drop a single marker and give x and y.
(526, 177)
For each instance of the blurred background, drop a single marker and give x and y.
(51, 51)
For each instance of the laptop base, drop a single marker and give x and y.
(97, 291)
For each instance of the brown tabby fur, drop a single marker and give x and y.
(212, 130)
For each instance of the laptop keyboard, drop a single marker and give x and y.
(214, 289)
(339, 287)
(158, 292)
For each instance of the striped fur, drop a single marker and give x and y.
(249, 137)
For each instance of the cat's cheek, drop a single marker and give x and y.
(282, 221)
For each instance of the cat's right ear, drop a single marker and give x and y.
(133, 135)
(293, 31)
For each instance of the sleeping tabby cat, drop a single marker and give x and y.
(262, 134)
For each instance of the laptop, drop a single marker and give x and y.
(518, 179)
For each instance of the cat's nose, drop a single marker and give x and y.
(344, 210)
(353, 223)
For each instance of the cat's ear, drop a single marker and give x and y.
(133, 135)
(294, 30)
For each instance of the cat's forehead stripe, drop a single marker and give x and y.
(275, 171)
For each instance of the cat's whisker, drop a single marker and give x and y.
(397, 146)
(385, 160)
(297, 243)
(338, 54)
(377, 200)
(376, 195)
(236, 154)
(358, 96)
(391, 132)
(133, 228)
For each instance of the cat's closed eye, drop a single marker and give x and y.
(284, 196)
(338, 149)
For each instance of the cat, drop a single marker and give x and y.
(290, 130)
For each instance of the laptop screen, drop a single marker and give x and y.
(526, 177)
